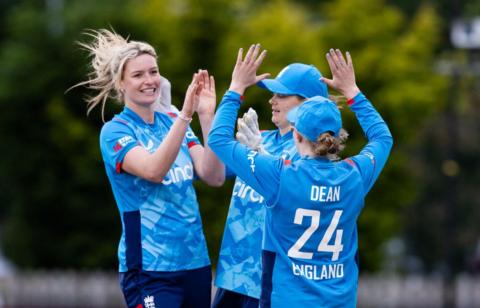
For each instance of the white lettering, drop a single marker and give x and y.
(314, 193)
(325, 193)
(244, 191)
(178, 174)
(251, 158)
(125, 140)
(322, 193)
(311, 271)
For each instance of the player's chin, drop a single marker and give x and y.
(275, 121)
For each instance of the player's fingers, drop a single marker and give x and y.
(256, 51)
(241, 138)
(260, 58)
(349, 60)
(329, 82)
(201, 77)
(239, 56)
(334, 58)
(331, 63)
(341, 59)
(206, 79)
(248, 56)
(212, 83)
(238, 123)
(261, 77)
(255, 119)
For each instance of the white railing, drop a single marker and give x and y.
(99, 289)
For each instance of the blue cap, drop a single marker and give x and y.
(316, 116)
(297, 79)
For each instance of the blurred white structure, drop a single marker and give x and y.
(465, 34)
(99, 289)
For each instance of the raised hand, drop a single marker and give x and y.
(208, 96)
(245, 71)
(192, 97)
(343, 74)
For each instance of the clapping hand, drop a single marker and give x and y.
(208, 96)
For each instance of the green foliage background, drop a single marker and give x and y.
(57, 208)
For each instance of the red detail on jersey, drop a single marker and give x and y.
(139, 306)
(172, 114)
(350, 102)
(191, 144)
(242, 97)
(120, 120)
(117, 147)
(118, 167)
(350, 162)
(287, 162)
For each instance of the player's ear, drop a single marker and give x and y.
(297, 135)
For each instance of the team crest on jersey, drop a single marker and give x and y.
(149, 302)
(149, 145)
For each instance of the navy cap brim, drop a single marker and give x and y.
(274, 86)
(292, 115)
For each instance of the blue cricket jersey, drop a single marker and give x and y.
(314, 204)
(239, 263)
(161, 224)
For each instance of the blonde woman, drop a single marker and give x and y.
(151, 159)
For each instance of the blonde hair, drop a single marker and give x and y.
(110, 52)
(329, 145)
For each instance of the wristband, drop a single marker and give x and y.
(183, 117)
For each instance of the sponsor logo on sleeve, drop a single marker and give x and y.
(251, 158)
(122, 142)
(370, 155)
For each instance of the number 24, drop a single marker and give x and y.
(336, 248)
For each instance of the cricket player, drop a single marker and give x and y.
(314, 202)
(238, 274)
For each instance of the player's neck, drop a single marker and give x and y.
(144, 111)
(284, 130)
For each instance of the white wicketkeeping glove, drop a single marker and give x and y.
(248, 132)
(164, 101)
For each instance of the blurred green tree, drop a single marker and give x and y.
(58, 206)
(55, 194)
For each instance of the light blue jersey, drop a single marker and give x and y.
(314, 204)
(239, 263)
(161, 224)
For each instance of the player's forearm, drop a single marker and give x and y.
(220, 138)
(212, 170)
(372, 124)
(160, 161)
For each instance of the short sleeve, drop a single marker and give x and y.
(116, 139)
